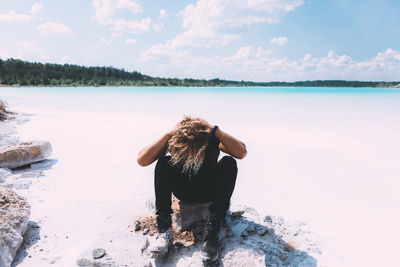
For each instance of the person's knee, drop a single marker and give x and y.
(229, 162)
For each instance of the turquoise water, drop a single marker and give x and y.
(297, 90)
(307, 106)
(125, 99)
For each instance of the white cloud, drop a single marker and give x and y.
(106, 13)
(102, 42)
(117, 34)
(132, 6)
(221, 21)
(66, 60)
(274, 5)
(133, 26)
(3, 54)
(158, 26)
(54, 28)
(279, 40)
(130, 41)
(163, 14)
(36, 8)
(29, 51)
(211, 23)
(90, 58)
(13, 16)
(104, 10)
(28, 47)
(105, 41)
(258, 64)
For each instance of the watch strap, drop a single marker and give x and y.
(214, 129)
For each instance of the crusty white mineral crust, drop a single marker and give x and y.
(14, 217)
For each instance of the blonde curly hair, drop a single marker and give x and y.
(188, 144)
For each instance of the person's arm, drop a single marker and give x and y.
(228, 143)
(231, 145)
(154, 151)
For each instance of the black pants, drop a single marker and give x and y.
(213, 184)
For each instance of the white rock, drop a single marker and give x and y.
(14, 216)
(189, 214)
(4, 174)
(24, 153)
(244, 234)
(83, 262)
(244, 257)
(268, 219)
(98, 253)
(262, 231)
(7, 134)
(3, 112)
(18, 185)
(229, 233)
(136, 226)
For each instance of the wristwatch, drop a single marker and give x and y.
(214, 129)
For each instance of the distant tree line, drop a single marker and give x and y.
(14, 72)
(330, 83)
(17, 72)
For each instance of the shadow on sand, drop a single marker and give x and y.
(37, 166)
(31, 237)
(23, 177)
(252, 244)
(32, 234)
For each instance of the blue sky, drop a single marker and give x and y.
(261, 40)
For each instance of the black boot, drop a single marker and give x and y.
(160, 246)
(210, 245)
(163, 222)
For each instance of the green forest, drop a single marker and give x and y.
(14, 72)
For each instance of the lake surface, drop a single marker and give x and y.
(325, 156)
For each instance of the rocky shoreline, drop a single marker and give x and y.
(7, 130)
(19, 164)
(14, 216)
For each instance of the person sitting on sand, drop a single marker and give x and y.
(193, 174)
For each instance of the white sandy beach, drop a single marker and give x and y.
(328, 160)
